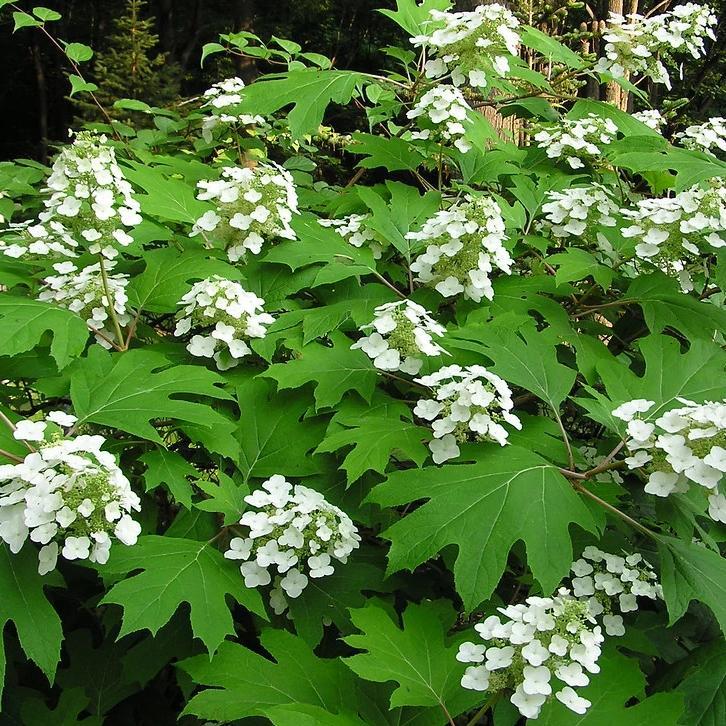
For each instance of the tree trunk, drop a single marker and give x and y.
(613, 92)
(42, 100)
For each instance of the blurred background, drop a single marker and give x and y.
(150, 50)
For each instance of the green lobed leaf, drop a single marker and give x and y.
(164, 467)
(129, 390)
(484, 508)
(175, 571)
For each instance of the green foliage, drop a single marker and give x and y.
(454, 516)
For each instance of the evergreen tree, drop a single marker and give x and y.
(129, 68)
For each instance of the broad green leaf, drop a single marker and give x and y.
(690, 571)
(176, 571)
(704, 688)
(24, 322)
(417, 656)
(78, 52)
(167, 198)
(393, 154)
(78, 85)
(333, 370)
(169, 274)
(226, 497)
(612, 692)
(243, 683)
(164, 467)
(274, 428)
(414, 16)
(315, 244)
(664, 305)
(309, 92)
(24, 20)
(375, 441)
(524, 357)
(628, 125)
(484, 508)
(210, 49)
(577, 264)
(24, 603)
(330, 599)
(129, 390)
(303, 714)
(549, 47)
(46, 14)
(696, 374)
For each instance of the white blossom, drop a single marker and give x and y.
(401, 335)
(709, 136)
(470, 404)
(253, 205)
(611, 585)
(83, 292)
(464, 246)
(541, 647)
(444, 113)
(577, 212)
(224, 318)
(675, 232)
(68, 495)
(292, 530)
(470, 46)
(652, 118)
(89, 206)
(355, 230)
(682, 447)
(640, 45)
(577, 141)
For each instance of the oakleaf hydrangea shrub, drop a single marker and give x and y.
(333, 397)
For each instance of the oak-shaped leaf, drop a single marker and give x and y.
(483, 508)
(242, 683)
(129, 390)
(334, 369)
(24, 323)
(24, 603)
(619, 682)
(175, 571)
(418, 656)
(691, 571)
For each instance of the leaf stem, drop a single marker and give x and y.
(12, 457)
(565, 438)
(109, 304)
(614, 510)
(11, 426)
(489, 703)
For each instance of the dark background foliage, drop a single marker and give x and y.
(33, 85)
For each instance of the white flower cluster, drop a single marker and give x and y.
(542, 647)
(464, 245)
(652, 118)
(577, 211)
(611, 582)
(402, 332)
(470, 404)
(639, 45)
(68, 496)
(293, 531)
(90, 205)
(470, 45)
(445, 107)
(577, 140)
(708, 136)
(355, 231)
(683, 446)
(673, 231)
(223, 316)
(253, 204)
(82, 292)
(220, 96)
